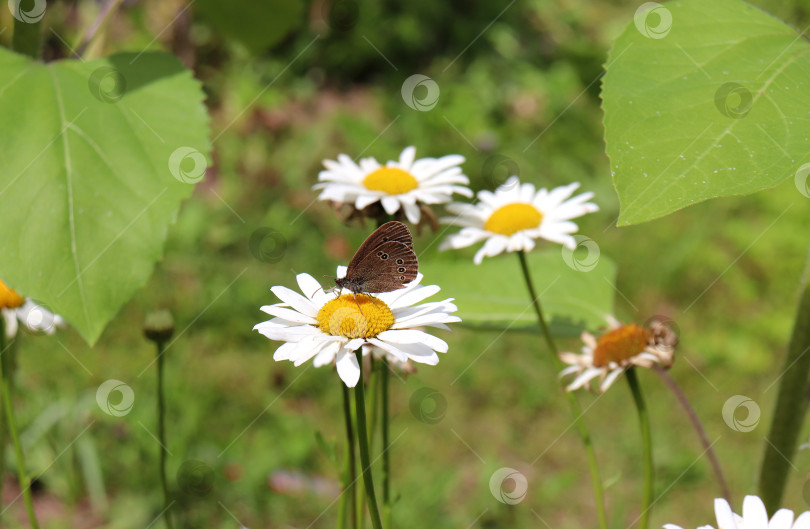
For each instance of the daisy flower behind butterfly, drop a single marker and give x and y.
(407, 185)
(511, 218)
(328, 329)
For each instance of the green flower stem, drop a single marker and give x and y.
(790, 407)
(26, 39)
(646, 441)
(6, 373)
(704, 439)
(161, 413)
(348, 498)
(365, 461)
(576, 410)
(372, 409)
(386, 452)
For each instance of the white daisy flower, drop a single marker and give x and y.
(754, 517)
(622, 347)
(396, 185)
(331, 328)
(515, 215)
(33, 317)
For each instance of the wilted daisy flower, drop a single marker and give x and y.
(622, 347)
(35, 318)
(754, 517)
(329, 329)
(514, 216)
(405, 185)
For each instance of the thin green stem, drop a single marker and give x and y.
(6, 373)
(347, 498)
(704, 439)
(576, 410)
(161, 412)
(365, 460)
(27, 39)
(646, 442)
(790, 406)
(385, 451)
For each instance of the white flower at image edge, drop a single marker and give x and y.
(396, 185)
(511, 218)
(328, 329)
(32, 316)
(754, 516)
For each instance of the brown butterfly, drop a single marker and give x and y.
(384, 262)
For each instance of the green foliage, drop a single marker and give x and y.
(493, 294)
(713, 107)
(258, 25)
(98, 157)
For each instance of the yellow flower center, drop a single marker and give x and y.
(390, 180)
(9, 299)
(621, 344)
(355, 316)
(512, 218)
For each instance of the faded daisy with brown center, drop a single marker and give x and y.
(623, 346)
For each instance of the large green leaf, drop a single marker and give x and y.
(97, 157)
(702, 100)
(576, 290)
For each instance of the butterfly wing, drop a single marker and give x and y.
(390, 231)
(389, 266)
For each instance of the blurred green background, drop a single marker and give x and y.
(292, 83)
